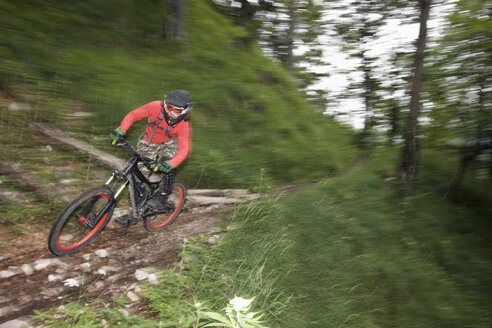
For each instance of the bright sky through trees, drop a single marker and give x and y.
(394, 35)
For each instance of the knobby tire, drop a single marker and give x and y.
(76, 226)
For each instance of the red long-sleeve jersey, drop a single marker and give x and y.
(180, 131)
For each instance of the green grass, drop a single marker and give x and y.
(97, 314)
(368, 257)
(351, 252)
(108, 59)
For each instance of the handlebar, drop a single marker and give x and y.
(125, 145)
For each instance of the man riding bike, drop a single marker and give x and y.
(167, 139)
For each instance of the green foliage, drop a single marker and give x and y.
(247, 114)
(351, 252)
(237, 315)
(368, 257)
(248, 261)
(459, 79)
(95, 314)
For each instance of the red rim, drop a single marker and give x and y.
(93, 231)
(171, 217)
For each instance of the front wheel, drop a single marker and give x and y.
(81, 221)
(174, 205)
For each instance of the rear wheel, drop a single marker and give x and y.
(174, 205)
(81, 221)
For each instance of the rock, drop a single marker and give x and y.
(68, 181)
(141, 275)
(95, 286)
(66, 237)
(119, 212)
(115, 277)
(101, 252)
(7, 273)
(125, 312)
(22, 322)
(105, 269)
(148, 273)
(52, 292)
(42, 264)
(27, 269)
(8, 310)
(86, 257)
(55, 277)
(213, 240)
(60, 263)
(132, 297)
(152, 278)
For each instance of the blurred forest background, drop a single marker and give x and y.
(396, 233)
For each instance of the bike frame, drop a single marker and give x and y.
(128, 176)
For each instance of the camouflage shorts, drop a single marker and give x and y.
(165, 151)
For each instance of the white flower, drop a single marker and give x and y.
(240, 303)
(250, 315)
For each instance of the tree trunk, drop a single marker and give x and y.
(176, 20)
(368, 102)
(290, 60)
(465, 160)
(410, 156)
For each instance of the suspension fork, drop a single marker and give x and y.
(122, 187)
(129, 180)
(93, 223)
(82, 215)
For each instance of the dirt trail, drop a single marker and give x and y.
(114, 262)
(32, 278)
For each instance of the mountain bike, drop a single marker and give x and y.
(86, 216)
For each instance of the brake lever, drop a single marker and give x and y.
(121, 143)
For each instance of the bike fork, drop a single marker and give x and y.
(120, 190)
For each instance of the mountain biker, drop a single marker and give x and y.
(167, 139)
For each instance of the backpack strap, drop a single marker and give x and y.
(155, 124)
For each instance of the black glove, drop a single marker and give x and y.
(116, 135)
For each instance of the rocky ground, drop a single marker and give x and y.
(112, 266)
(116, 262)
(43, 163)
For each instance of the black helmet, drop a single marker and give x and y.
(177, 105)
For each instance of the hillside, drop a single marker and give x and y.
(251, 126)
(349, 250)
